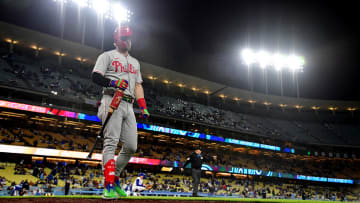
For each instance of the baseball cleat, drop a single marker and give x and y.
(119, 190)
(109, 192)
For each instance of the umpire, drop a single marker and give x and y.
(196, 159)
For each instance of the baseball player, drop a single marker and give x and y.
(114, 70)
(138, 185)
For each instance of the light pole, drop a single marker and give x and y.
(249, 57)
(281, 82)
(250, 79)
(293, 63)
(297, 84)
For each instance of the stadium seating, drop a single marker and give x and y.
(45, 75)
(165, 184)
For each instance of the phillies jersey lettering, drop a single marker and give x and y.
(115, 66)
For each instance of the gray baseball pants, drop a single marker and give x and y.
(121, 126)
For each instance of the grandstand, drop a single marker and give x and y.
(311, 145)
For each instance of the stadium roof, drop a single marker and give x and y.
(50, 43)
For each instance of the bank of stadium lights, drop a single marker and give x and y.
(104, 7)
(101, 6)
(82, 3)
(277, 60)
(120, 14)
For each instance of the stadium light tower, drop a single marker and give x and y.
(248, 56)
(120, 14)
(278, 63)
(101, 6)
(105, 9)
(263, 59)
(296, 64)
(82, 3)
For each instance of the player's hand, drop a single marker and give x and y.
(121, 84)
(145, 113)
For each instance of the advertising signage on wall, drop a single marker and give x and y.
(82, 116)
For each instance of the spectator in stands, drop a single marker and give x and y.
(48, 190)
(23, 192)
(26, 185)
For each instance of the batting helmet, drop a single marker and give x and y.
(120, 36)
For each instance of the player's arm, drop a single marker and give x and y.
(98, 77)
(139, 96)
(188, 160)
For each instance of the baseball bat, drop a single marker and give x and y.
(115, 102)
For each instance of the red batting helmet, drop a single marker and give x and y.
(119, 33)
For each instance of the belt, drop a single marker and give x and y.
(126, 97)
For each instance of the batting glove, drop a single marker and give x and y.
(145, 113)
(121, 84)
(142, 105)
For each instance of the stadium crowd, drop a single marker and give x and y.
(47, 177)
(54, 138)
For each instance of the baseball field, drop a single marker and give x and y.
(147, 199)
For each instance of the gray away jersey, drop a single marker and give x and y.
(115, 66)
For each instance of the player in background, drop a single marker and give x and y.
(138, 185)
(114, 70)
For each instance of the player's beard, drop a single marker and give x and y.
(127, 48)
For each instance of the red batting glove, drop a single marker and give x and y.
(142, 105)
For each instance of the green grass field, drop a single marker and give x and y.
(171, 198)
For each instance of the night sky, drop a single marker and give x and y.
(204, 38)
